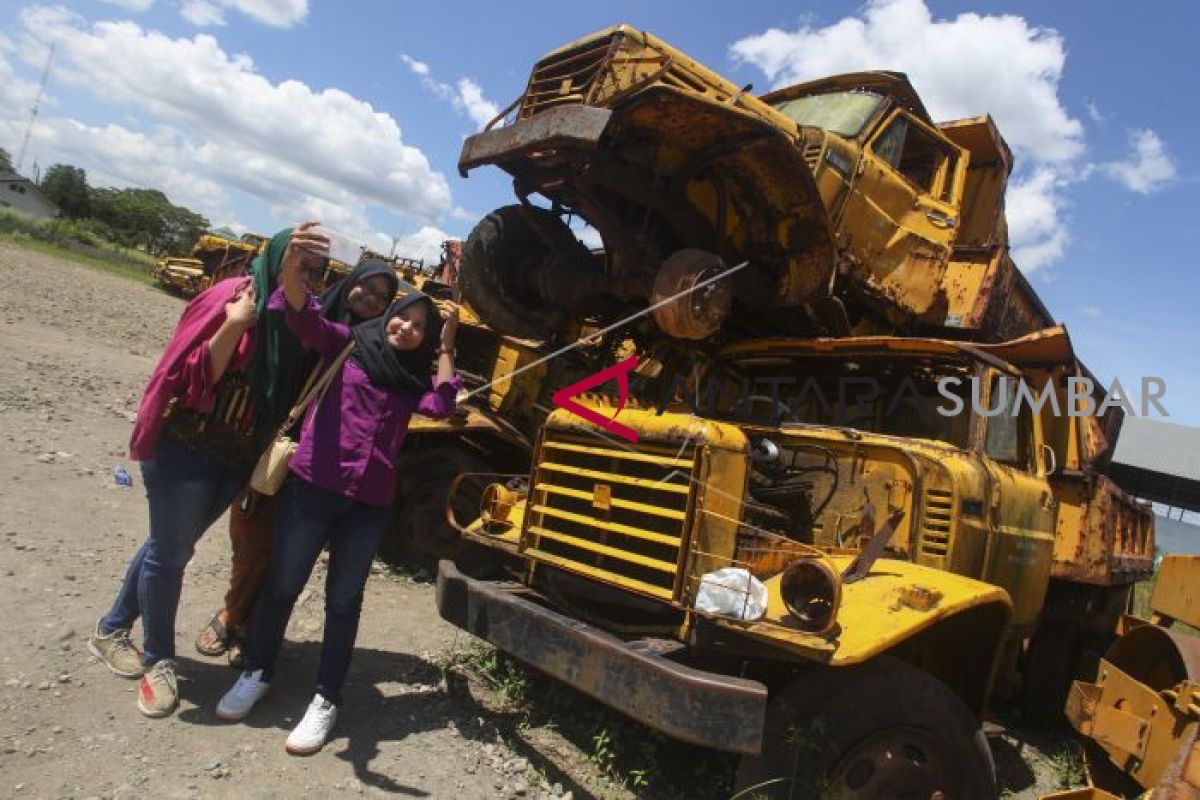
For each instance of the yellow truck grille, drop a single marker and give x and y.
(614, 514)
(603, 70)
(935, 522)
(566, 80)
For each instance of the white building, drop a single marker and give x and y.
(22, 194)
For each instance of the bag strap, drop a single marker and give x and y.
(317, 390)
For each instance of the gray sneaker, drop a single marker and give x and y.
(117, 652)
(158, 694)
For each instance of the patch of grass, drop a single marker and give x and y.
(75, 242)
(1067, 768)
(630, 755)
(405, 572)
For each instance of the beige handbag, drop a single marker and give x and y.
(272, 467)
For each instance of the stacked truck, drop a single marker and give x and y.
(891, 568)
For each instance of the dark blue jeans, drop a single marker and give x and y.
(307, 518)
(187, 490)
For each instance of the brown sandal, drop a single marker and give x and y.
(221, 634)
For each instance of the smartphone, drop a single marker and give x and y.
(342, 248)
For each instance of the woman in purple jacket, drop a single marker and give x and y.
(342, 480)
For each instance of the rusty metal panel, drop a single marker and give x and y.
(1177, 589)
(1128, 710)
(578, 126)
(705, 708)
(1103, 536)
(1113, 727)
(989, 297)
(1086, 793)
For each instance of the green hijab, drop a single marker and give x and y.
(274, 373)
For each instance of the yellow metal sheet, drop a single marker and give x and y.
(611, 502)
(1175, 591)
(614, 527)
(612, 477)
(604, 550)
(628, 455)
(871, 619)
(602, 574)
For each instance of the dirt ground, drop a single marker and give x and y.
(77, 347)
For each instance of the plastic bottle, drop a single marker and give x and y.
(122, 477)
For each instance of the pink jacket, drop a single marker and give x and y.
(185, 369)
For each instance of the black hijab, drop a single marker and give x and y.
(401, 371)
(333, 302)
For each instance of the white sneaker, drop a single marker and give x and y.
(309, 736)
(238, 701)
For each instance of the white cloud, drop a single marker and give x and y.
(202, 13)
(961, 66)
(477, 107)
(280, 13)
(276, 13)
(466, 96)
(131, 5)
(1091, 311)
(418, 67)
(463, 215)
(1094, 112)
(296, 148)
(1036, 206)
(425, 244)
(16, 94)
(1149, 166)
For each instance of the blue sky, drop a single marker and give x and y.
(261, 112)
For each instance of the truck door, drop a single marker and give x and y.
(1021, 507)
(900, 218)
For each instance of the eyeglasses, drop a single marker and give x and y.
(374, 296)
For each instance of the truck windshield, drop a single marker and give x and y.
(843, 113)
(890, 395)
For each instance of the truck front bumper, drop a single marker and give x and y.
(565, 126)
(704, 708)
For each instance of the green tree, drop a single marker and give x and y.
(146, 218)
(5, 160)
(67, 188)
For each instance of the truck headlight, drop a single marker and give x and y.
(812, 592)
(496, 505)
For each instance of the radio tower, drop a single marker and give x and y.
(33, 112)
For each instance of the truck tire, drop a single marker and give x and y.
(1051, 664)
(883, 729)
(496, 259)
(419, 532)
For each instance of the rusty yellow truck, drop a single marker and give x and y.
(212, 258)
(851, 207)
(902, 566)
(904, 557)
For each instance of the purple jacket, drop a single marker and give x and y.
(349, 442)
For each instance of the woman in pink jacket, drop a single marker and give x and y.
(226, 381)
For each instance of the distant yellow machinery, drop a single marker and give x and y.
(212, 259)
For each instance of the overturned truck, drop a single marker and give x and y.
(848, 205)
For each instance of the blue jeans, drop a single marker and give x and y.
(307, 518)
(187, 490)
